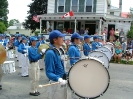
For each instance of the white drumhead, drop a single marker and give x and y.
(88, 78)
(106, 51)
(101, 56)
(111, 47)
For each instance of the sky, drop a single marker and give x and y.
(18, 8)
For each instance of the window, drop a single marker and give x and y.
(112, 13)
(61, 5)
(74, 5)
(89, 4)
(60, 25)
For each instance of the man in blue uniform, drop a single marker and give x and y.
(87, 46)
(34, 70)
(73, 51)
(95, 44)
(22, 49)
(54, 66)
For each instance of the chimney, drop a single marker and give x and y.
(120, 4)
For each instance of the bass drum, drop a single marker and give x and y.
(106, 51)
(88, 78)
(111, 47)
(101, 56)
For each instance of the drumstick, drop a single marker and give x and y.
(46, 85)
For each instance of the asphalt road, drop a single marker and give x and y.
(17, 87)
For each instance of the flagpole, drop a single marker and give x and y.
(40, 25)
(75, 25)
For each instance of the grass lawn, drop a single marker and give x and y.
(122, 62)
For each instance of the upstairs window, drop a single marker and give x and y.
(112, 13)
(61, 5)
(89, 6)
(75, 5)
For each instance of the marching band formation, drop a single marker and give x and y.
(88, 76)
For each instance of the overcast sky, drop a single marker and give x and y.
(18, 8)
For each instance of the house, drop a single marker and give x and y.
(18, 29)
(92, 14)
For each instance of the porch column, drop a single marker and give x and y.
(75, 25)
(40, 25)
(100, 25)
(47, 24)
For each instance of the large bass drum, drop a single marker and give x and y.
(111, 47)
(88, 78)
(105, 50)
(101, 56)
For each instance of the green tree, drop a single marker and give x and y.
(4, 11)
(13, 21)
(130, 33)
(37, 7)
(2, 27)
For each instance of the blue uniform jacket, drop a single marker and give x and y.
(17, 43)
(87, 49)
(95, 46)
(74, 54)
(21, 48)
(39, 43)
(33, 54)
(54, 65)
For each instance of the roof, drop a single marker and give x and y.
(12, 27)
(125, 14)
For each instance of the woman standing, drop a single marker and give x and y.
(116, 34)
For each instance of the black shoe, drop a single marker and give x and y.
(26, 76)
(0, 85)
(0, 88)
(17, 60)
(41, 69)
(33, 94)
(38, 93)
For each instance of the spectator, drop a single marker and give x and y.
(121, 35)
(124, 46)
(117, 43)
(118, 54)
(112, 32)
(69, 31)
(129, 46)
(116, 34)
(81, 31)
(106, 32)
(86, 31)
(128, 56)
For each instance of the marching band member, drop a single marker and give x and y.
(40, 41)
(54, 66)
(43, 39)
(23, 51)
(87, 46)
(74, 51)
(1, 74)
(17, 43)
(95, 43)
(34, 69)
(1, 40)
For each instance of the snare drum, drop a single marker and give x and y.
(111, 47)
(101, 56)
(8, 67)
(88, 78)
(10, 54)
(106, 51)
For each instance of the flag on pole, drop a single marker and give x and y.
(35, 18)
(69, 14)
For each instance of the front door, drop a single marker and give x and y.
(110, 26)
(66, 25)
(92, 28)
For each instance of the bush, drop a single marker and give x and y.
(2, 27)
(37, 33)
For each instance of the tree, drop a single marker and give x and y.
(13, 21)
(130, 33)
(4, 11)
(36, 7)
(2, 27)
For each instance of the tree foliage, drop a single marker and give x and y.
(13, 21)
(130, 33)
(4, 11)
(2, 27)
(36, 7)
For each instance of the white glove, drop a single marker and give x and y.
(62, 82)
(24, 51)
(43, 50)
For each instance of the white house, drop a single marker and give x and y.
(92, 14)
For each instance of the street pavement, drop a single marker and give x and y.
(17, 87)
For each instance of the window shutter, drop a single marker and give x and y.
(81, 5)
(55, 10)
(94, 5)
(55, 24)
(67, 5)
